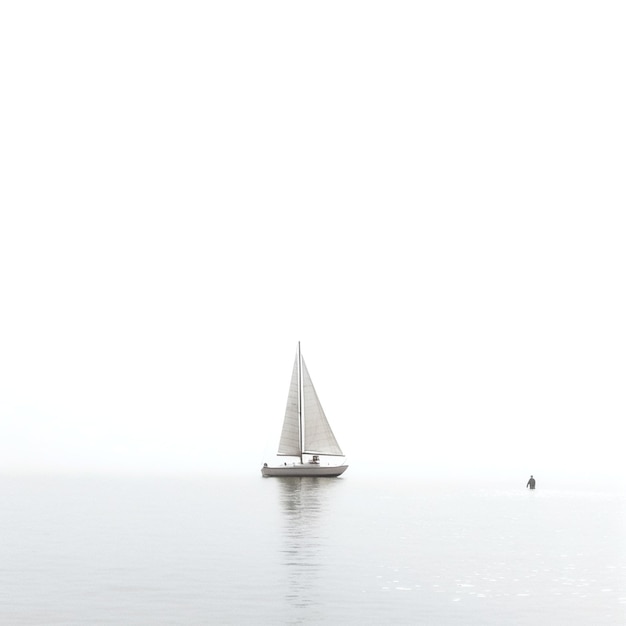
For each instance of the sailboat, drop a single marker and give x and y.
(306, 433)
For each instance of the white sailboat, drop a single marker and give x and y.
(306, 433)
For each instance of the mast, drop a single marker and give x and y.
(300, 404)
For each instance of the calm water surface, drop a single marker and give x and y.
(94, 550)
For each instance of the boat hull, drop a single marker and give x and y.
(304, 469)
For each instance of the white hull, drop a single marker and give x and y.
(303, 469)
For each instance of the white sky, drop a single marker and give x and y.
(428, 195)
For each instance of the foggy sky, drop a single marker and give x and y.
(429, 196)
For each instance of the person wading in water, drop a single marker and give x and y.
(531, 482)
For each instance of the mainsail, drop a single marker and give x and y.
(290, 440)
(305, 427)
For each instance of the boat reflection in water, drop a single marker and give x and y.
(306, 503)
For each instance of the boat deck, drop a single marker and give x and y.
(304, 469)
